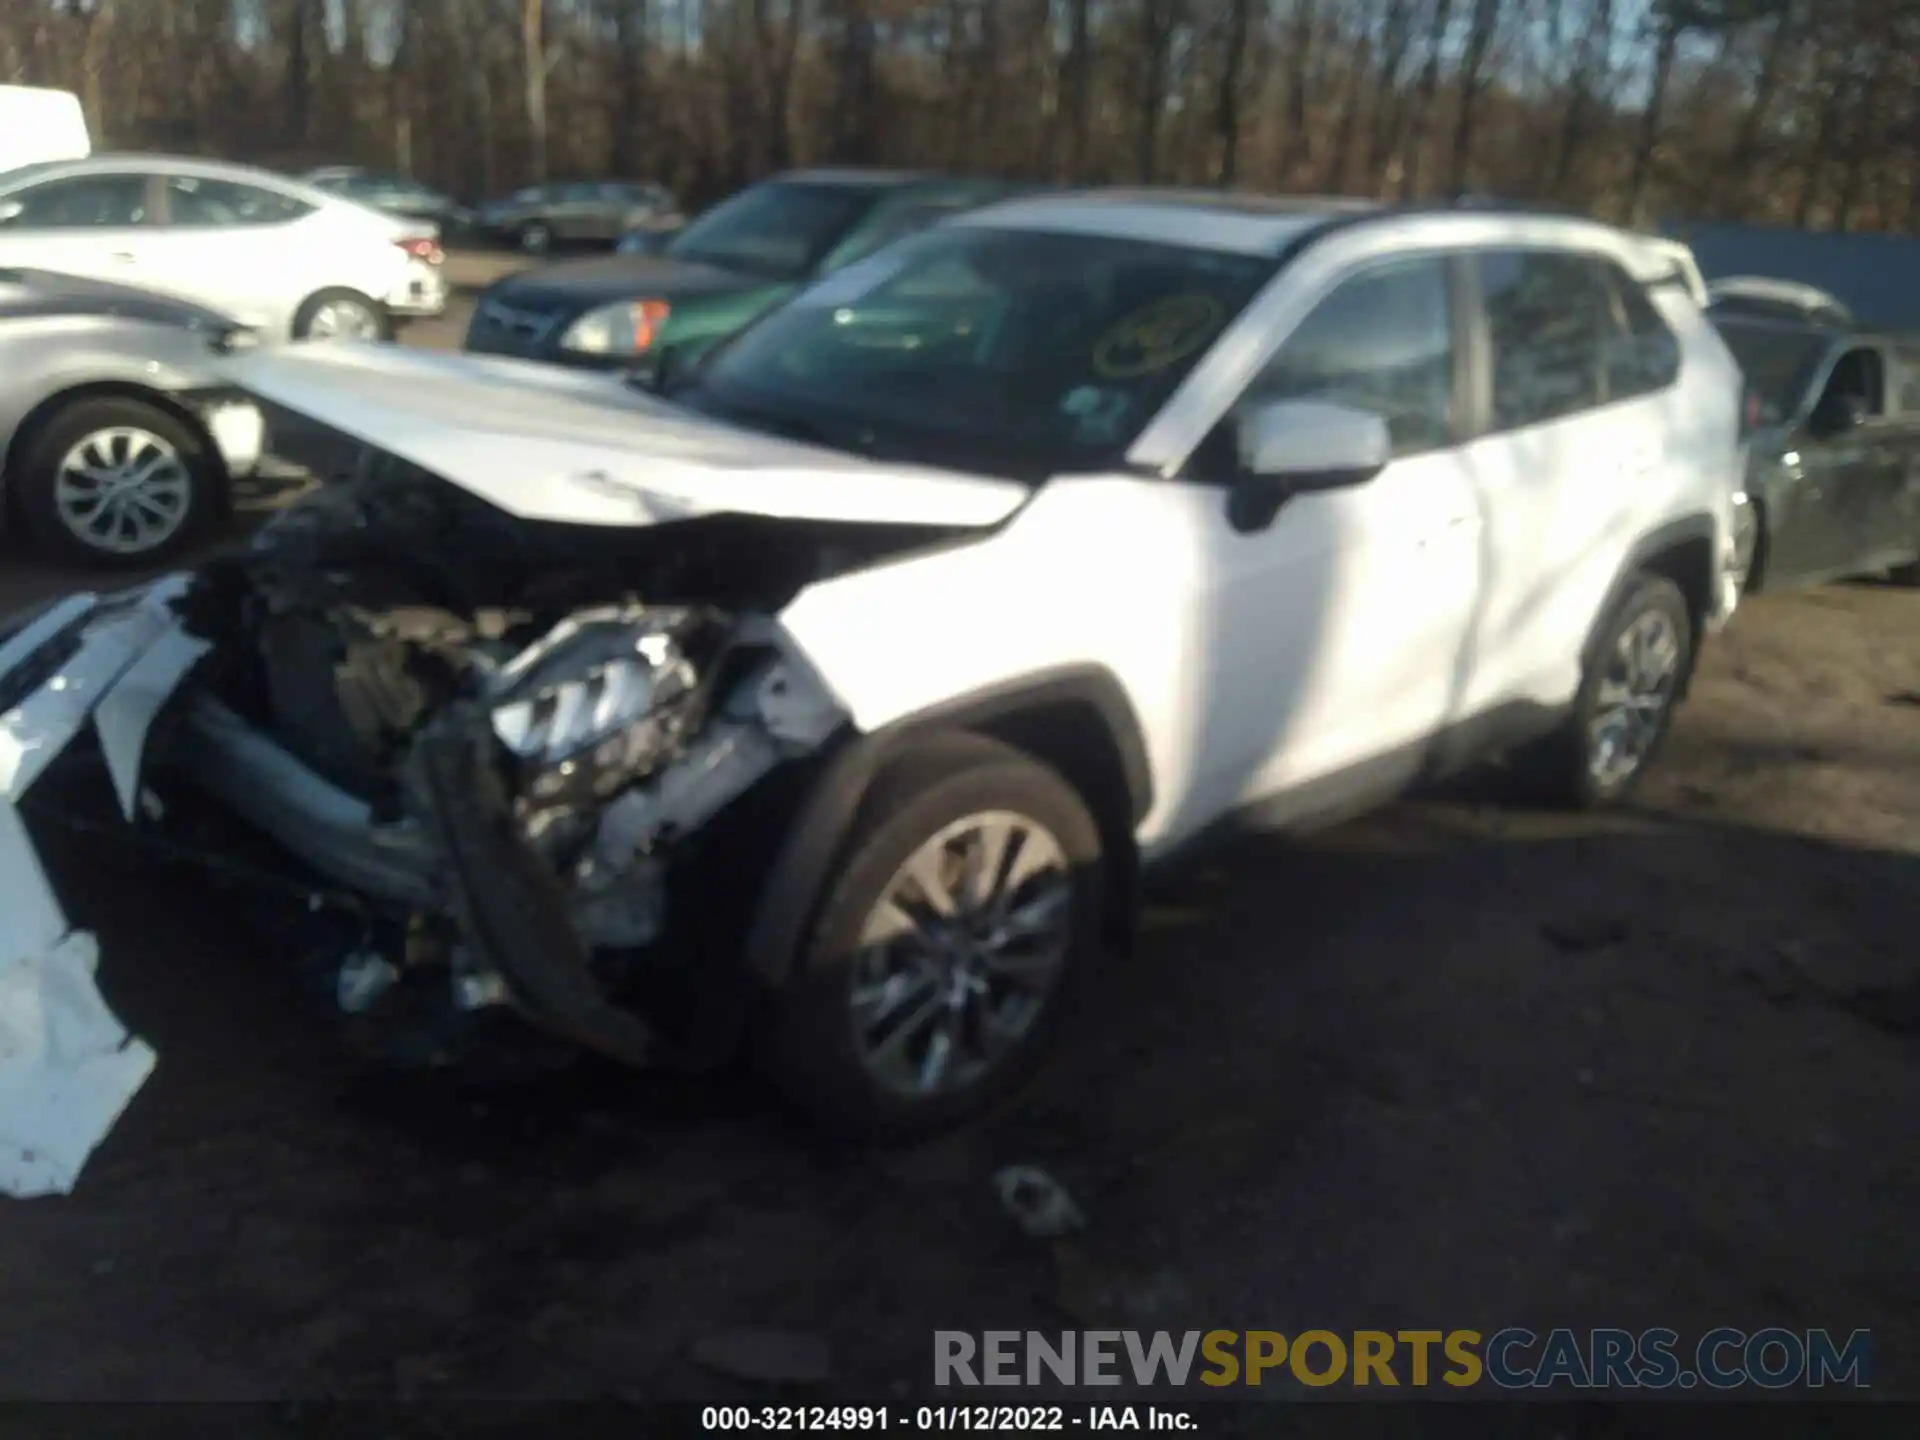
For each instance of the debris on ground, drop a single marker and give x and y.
(771, 1357)
(67, 1067)
(1038, 1203)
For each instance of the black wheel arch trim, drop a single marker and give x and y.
(818, 834)
(1663, 540)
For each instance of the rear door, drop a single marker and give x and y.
(97, 225)
(1561, 468)
(230, 246)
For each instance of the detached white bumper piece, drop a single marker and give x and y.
(67, 1066)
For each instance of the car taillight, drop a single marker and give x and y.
(423, 247)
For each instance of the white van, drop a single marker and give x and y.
(37, 124)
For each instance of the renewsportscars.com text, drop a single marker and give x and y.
(1511, 1359)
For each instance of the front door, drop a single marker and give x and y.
(96, 226)
(1851, 491)
(1341, 627)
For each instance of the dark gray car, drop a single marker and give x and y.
(117, 437)
(539, 217)
(1833, 482)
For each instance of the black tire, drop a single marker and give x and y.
(311, 307)
(807, 1045)
(1560, 768)
(1907, 574)
(46, 448)
(534, 238)
(1755, 579)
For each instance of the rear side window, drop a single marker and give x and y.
(86, 201)
(1642, 354)
(194, 200)
(1549, 315)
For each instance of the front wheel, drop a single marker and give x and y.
(946, 947)
(1635, 671)
(536, 238)
(112, 483)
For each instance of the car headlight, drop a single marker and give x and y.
(601, 699)
(627, 327)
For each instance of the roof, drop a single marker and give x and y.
(1220, 220)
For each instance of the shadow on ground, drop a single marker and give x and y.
(1449, 1067)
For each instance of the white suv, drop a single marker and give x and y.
(834, 700)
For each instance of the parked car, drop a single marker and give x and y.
(538, 217)
(394, 195)
(832, 703)
(282, 257)
(677, 297)
(1833, 482)
(1775, 299)
(118, 438)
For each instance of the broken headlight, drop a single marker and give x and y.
(602, 699)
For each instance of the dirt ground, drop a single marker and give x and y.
(1457, 1065)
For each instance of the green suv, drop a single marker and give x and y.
(678, 297)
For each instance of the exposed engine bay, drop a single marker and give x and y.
(495, 737)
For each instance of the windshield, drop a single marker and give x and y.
(1777, 360)
(780, 230)
(1012, 353)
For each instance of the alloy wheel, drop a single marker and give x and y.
(1635, 694)
(123, 491)
(343, 319)
(959, 958)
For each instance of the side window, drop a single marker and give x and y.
(1382, 341)
(1642, 354)
(886, 228)
(1548, 315)
(578, 193)
(1858, 378)
(194, 200)
(86, 201)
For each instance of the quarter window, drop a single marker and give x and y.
(195, 200)
(1382, 341)
(87, 201)
(1549, 314)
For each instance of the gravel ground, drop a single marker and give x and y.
(1456, 1065)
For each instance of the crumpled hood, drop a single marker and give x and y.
(544, 443)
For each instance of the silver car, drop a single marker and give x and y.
(117, 440)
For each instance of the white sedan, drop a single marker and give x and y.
(286, 259)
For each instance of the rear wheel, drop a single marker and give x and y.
(1749, 548)
(340, 315)
(946, 947)
(536, 238)
(114, 483)
(1634, 674)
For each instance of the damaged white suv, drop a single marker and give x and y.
(831, 702)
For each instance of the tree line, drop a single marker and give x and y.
(1802, 112)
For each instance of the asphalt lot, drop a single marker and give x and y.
(1457, 1065)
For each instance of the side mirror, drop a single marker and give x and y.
(1836, 414)
(1294, 447)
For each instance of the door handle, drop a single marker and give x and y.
(125, 257)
